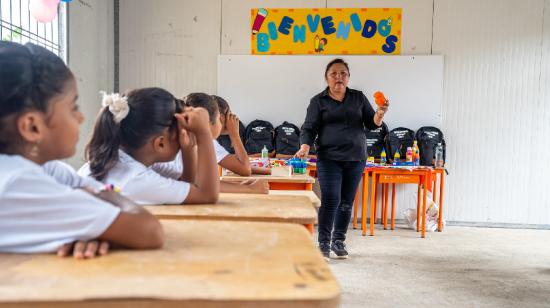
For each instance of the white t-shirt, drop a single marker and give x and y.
(174, 169)
(141, 184)
(39, 215)
(66, 175)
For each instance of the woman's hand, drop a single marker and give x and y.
(303, 151)
(232, 124)
(381, 111)
(83, 249)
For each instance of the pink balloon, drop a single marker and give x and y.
(43, 11)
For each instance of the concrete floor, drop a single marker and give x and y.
(461, 267)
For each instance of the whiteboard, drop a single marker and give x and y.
(279, 88)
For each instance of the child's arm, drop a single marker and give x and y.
(238, 162)
(246, 187)
(134, 227)
(206, 187)
(188, 145)
(261, 170)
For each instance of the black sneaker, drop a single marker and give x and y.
(325, 250)
(339, 249)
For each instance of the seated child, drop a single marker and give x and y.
(238, 162)
(148, 126)
(202, 100)
(42, 210)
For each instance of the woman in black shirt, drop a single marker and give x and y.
(338, 117)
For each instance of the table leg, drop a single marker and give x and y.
(309, 228)
(373, 203)
(376, 198)
(383, 207)
(418, 205)
(392, 206)
(424, 199)
(441, 185)
(386, 193)
(355, 206)
(364, 205)
(434, 187)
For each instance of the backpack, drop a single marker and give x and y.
(225, 141)
(399, 139)
(258, 133)
(376, 140)
(428, 137)
(287, 139)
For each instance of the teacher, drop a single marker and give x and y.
(338, 117)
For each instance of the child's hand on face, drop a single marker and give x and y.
(194, 120)
(232, 123)
(84, 249)
(186, 139)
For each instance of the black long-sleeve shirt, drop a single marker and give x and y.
(339, 126)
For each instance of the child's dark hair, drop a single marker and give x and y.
(205, 101)
(223, 106)
(151, 110)
(336, 61)
(30, 76)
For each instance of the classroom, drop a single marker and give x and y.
(262, 153)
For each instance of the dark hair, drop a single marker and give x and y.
(336, 61)
(30, 76)
(205, 101)
(223, 106)
(151, 111)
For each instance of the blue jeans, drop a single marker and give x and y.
(338, 181)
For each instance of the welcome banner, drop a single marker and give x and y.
(326, 31)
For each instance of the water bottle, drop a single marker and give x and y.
(416, 154)
(265, 157)
(383, 157)
(438, 156)
(396, 157)
(409, 154)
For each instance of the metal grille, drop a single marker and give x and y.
(18, 25)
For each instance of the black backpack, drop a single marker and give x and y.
(258, 133)
(287, 139)
(225, 141)
(399, 139)
(376, 140)
(428, 137)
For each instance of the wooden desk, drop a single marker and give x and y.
(293, 182)
(203, 264)
(247, 207)
(306, 193)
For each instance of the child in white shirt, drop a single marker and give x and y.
(223, 158)
(147, 126)
(39, 123)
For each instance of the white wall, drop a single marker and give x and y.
(496, 106)
(91, 58)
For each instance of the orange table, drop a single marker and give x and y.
(293, 182)
(419, 176)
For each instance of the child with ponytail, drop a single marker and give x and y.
(145, 127)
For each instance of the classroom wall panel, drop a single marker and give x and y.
(236, 21)
(493, 109)
(417, 21)
(172, 44)
(91, 58)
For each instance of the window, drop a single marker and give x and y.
(18, 25)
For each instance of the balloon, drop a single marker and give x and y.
(43, 11)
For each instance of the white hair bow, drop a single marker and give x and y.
(118, 105)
